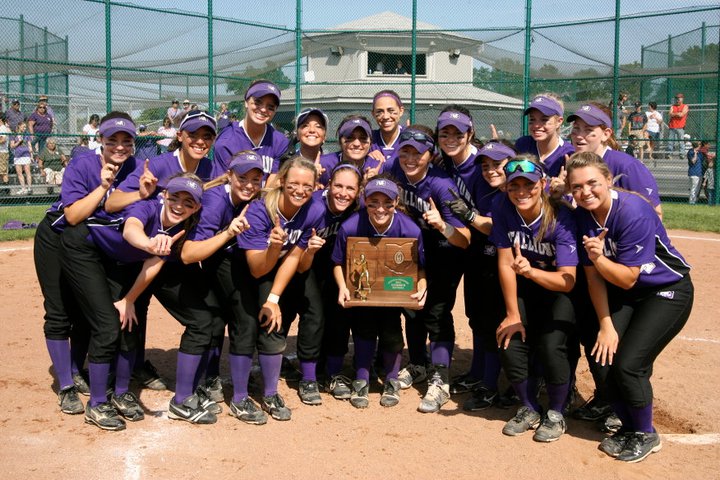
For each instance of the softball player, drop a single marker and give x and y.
(354, 135)
(387, 110)
(88, 179)
(642, 293)
(213, 242)
(311, 131)
(382, 325)
(339, 201)
(592, 132)
(537, 259)
(254, 132)
(425, 192)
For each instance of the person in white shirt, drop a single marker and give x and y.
(652, 127)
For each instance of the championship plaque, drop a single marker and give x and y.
(381, 272)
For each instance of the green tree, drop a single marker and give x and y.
(239, 83)
(150, 115)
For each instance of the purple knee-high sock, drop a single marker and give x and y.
(391, 362)
(642, 418)
(270, 366)
(333, 365)
(240, 371)
(364, 352)
(187, 366)
(557, 396)
(623, 413)
(440, 353)
(491, 370)
(59, 351)
(523, 392)
(213, 362)
(123, 370)
(478, 357)
(99, 373)
(416, 336)
(309, 370)
(201, 369)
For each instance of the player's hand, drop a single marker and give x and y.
(161, 245)
(315, 243)
(343, 296)
(107, 175)
(507, 328)
(605, 346)
(127, 314)
(318, 166)
(433, 217)
(374, 171)
(421, 294)
(148, 181)
(558, 187)
(278, 236)
(376, 155)
(239, 224)
(493, 132)
(521, 265)
(460, 208)
(270, 317)
(595, 246)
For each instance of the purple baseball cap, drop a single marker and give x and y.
(420, 141)
(302, 116)
(459, 120)
(591, 115)
(244, 162)
(496, 151)
(382, 185)
(183, 184)
(546, 105)
(114, 125)
(197, 119)
(524, 168)
(348, 127)
(261, 89)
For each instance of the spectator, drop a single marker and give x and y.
(380, 66)
(400, 69)
(695, 172)
(637, 121)
(4, 148)
(173, 113)
(186, 107)
(652, 127)
(14, 116)
(223, 117)
(621, 115)
(169, 132)
(22, 151)
(48, 108)
(145, 146)
(91, 129)
(81, 147)
(40, 126)
(632, 146)
(52, 162)
(678, 117)
(709, 179)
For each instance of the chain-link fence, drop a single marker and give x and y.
(92, 56)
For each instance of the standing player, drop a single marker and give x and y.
(387, 110)
(254, 132)
(642, 293)
(425, 191)
(354, 136)
(537, 259)
(381, 325)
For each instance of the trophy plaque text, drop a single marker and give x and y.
(381, 272)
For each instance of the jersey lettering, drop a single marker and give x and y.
(531, 244)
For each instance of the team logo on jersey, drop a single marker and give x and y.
(647, 268)
(669, 295)
(490, 250)
(638, 249)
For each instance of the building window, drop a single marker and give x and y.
(389, 64)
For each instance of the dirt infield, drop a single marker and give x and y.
(39, 442)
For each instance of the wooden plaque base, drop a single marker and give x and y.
(381, 272)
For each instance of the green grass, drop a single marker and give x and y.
(26, 214)
(698, 218)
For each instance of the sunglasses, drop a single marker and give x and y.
(525, 166)
(417, 136)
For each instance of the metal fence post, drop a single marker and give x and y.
(211, 80)
(616, 68)
(22, 58)
(526, 67)
(298, 56)
(413, 77)
(108, 59)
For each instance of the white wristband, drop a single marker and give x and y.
(448, 231)
(272, 298)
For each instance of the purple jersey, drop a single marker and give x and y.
(298, 228)
(43, 123)
(329, 161)
(233, 139)
(552, 162)
(557, 248)
(631, 174)
(163, 167)
(22, 149)
(216, 214)
(467, 176)
(327, 228)
(359, 225)
(390, 151)
(81, 177)
(109, 238)
(636, 238)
